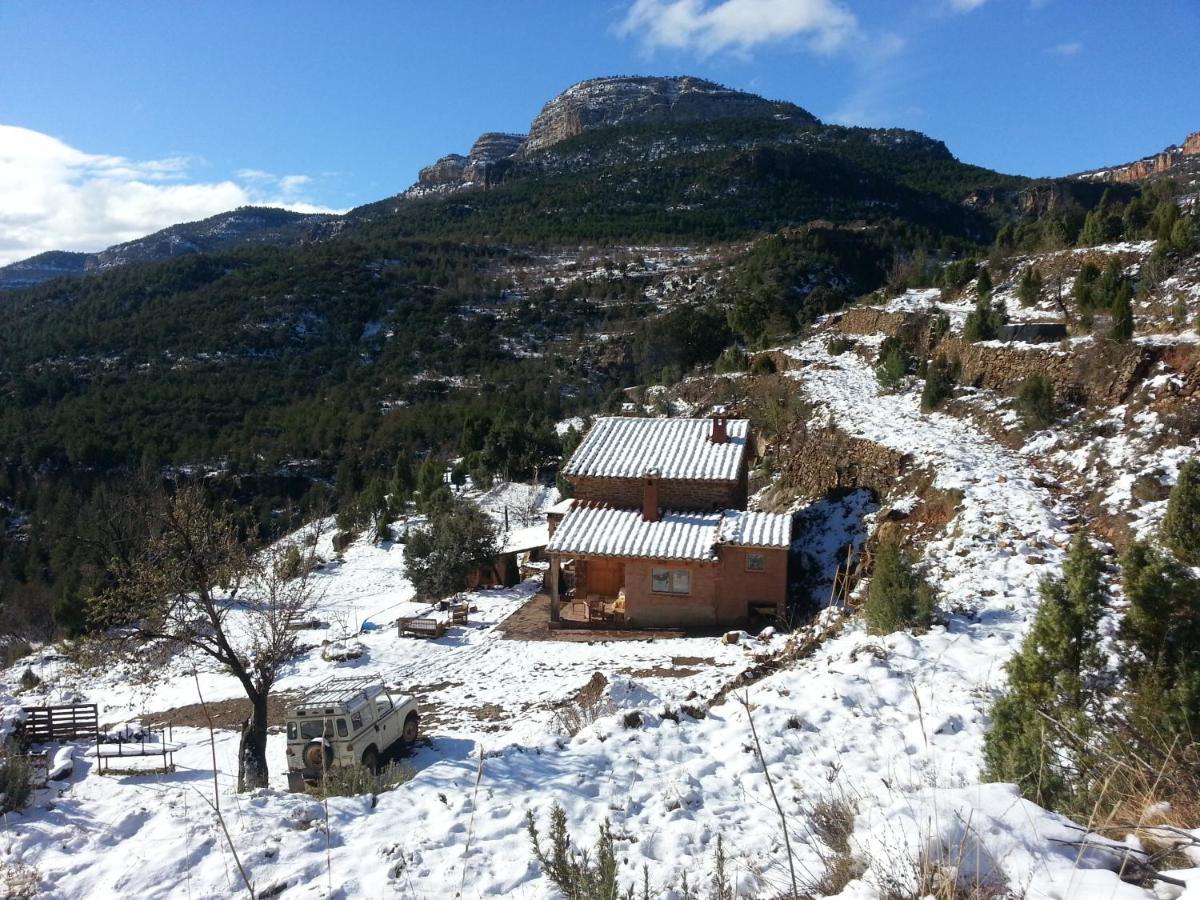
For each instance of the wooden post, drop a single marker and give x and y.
(553, 587)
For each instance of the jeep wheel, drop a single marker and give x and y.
(409, 734)
(370, 760)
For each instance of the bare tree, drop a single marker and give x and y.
(196, 584)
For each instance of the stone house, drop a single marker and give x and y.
(657, 533)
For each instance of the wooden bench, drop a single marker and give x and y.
(459, 613)
(422, 627)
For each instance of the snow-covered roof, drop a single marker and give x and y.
(603, 531)
(562, 507)
(755, 529)
(520, 540)
(628, 447)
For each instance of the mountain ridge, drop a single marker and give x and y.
(622, 121)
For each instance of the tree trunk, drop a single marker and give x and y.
(252, 753)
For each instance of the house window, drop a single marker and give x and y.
(756, 562)
(671, 581)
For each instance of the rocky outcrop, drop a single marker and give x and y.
(495, 146)
(1048, 196)
(1164, 163)
(488, 162)
(613, 102)
(447, 170)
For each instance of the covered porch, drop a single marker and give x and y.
(586, 591)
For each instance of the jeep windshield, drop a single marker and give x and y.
(309, 729)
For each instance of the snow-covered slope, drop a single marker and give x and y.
(891, 726)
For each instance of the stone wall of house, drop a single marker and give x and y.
(721, 594)
(701, 496)
(740, 588)
(644, 608)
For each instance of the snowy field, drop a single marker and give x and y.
(894, 726)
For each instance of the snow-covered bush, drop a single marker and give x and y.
(16, 781)
(898, 597)
(355, 781)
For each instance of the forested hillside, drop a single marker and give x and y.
(459, 325)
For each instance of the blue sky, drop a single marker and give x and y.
(119, 118)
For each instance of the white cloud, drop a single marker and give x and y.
(965, 5)
(1068, 48)
(55, 197)
(737, 25)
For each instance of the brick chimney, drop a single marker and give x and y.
(720, 429)
(650, 496)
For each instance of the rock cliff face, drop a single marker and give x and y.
(602, 103)
(1183, 160)
(488, 162)
(612, 102)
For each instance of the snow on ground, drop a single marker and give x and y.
(894, 724)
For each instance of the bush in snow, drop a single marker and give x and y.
(16, 784)
(1029, 289)
(837, 344)
(1040, 737)
(355, 781)
(576, 873)
(939, 384)
(984, 321)
(1035, 402)
(898, 597)
(1181, 525)
(893, 364)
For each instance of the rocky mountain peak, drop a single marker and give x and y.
(630, 100)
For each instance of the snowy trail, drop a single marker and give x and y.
(885, 721)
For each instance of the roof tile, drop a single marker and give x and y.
(629, 447)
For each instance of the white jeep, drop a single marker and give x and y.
(345, 722)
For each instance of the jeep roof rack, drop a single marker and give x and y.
(337, 690)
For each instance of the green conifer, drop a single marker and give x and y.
(984, 286)
(1029, 290)
(1122, 314)
(1040, 728)
(1181, 525)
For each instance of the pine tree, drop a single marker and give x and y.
(431, 483)
(983, 323)
(892, 366)
(1183, 236)
(1122, 314)
(898, 596)
(984, 286)
(1035, 402)
(1163, 625)
(1181, 525)
(939, 384)
(1039, 737)
(1029, 290)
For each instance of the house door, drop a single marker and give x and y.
(605, 577)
